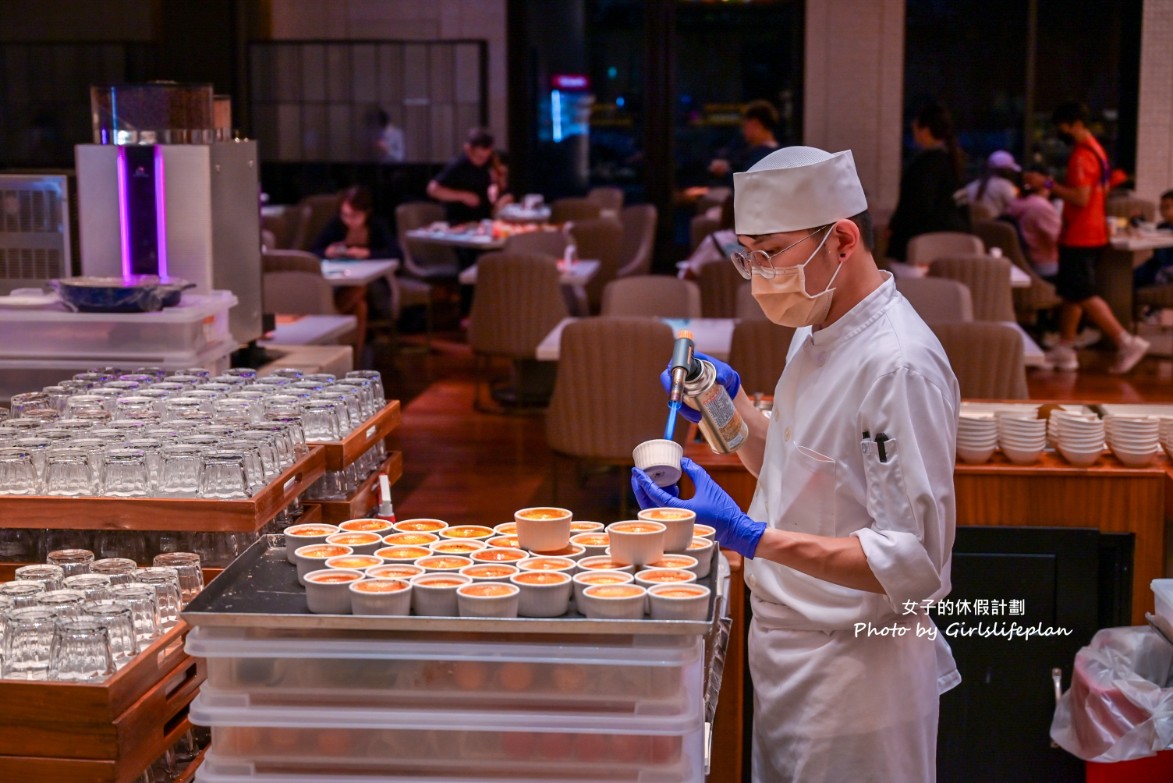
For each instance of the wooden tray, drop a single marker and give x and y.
(52, 731)
(201, 514)
(187, 775)
(367, 495)
(340, 453)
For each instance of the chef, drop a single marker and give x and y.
(850, 531)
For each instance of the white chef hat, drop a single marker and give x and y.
(795, 188)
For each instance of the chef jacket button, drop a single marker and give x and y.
(787, 433)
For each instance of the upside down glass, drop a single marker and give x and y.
(165, 583)
(28, 638)
(187, 566)
(118, 620)
(18, 472)
(50, 575)
(71, 561)
(80, 651)
(143, 607)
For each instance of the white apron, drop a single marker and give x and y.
(831, 703)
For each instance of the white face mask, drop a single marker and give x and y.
(784, 299)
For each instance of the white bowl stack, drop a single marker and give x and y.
(1135, 440)
(1079, 437)
(1021, 437)
(1165, 432)
(977, 436)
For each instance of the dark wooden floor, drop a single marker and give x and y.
(465, 466)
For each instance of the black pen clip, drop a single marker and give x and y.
(880, 439)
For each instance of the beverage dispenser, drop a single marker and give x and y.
(164, 190)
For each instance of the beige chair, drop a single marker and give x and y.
(1028, 300)
(268, 240)
(283, 225)
(699, 227)
(607, 395)
(424, 260)
(518, 301)
(639, 239)
(314, 212)
(652, 295)
(937, 299)
(1130, 207)
(600, 239)
(546, 243)
(292, 284)
(567, 209)
(609, 199)
(748, 308)
(758, 353)
(988, 281)
(719, 285)
(987, 359)
(926, 248)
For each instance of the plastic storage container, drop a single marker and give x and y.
(659, 676)
(325, 743)
(197, 323)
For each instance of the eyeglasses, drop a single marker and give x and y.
(761, 261)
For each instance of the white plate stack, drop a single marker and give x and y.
(977, 436)
(1079, 437)
(1022, 438)
(1135, 440)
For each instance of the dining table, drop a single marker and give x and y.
(466, 238)
(1114, 271)
(356, 273)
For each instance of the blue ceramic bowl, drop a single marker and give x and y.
(137, 294)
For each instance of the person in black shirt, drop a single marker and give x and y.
(927, 186)
(355, 233)
(464, 183)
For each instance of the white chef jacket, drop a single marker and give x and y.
(833, 703)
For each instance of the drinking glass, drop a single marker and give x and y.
(38, 448)
(254, 463)
(179, 472)
(128, 544)
(290, 420)
(23, 427)
(130, 428)
(118, 620)
(141, 378)
(206, 396)
(221, 386)
(120, 570)
(94, 586)
(282, 440)
(223, 474)
(173, 389)
(71, 561)
(248, 373)
(123, 388)
(20, 404)
(108, 396)
(18, 472)
(79, 651)
(156, 372)
(193, 372)
(97, 417)
(124, 473)
(153, 449)
(96, 377)
(50, 575)
(255, 398)
(66, 604)
(76, 386)
(57, 396)
(144, 610)
(75, 426)
(268, 448)
(68, 472)
(271, 383)
(366, 391)
(156, 396)
(16, 545)
(178, 407)
(234, 406)
(80, 402)
(167, 595)
(376, 379)
(352, 399)
(287, 372)
(22, 593)
(187, 566)
(28, 637)
(320, 377)
(322, 420)
(221, 431)
(136, 407)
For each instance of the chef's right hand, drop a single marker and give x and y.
(726, 376)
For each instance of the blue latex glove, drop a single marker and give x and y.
(726, 376)
(713, 506)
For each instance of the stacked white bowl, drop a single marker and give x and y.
(977, 437)
(1079, 437)
(1165, 432)
(1135, 440)
(1021, 437)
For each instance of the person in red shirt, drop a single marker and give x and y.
(1083, 237)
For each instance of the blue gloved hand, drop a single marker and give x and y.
(713, 506)
(726, 376)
